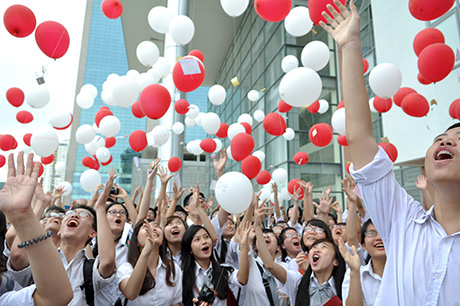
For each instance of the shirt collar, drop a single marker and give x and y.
(424, 217)
(314, 281)
(368, 269)
(199, 269)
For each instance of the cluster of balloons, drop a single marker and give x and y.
(162, 20)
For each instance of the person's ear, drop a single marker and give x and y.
(186, 208)
(335, 263)
(92, 234)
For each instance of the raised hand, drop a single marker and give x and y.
(58, 192)
(219, 165)
(325, 203)
(177, 193)
(40, 194)
(296, 195)
(164, 176)
(353, 261)
(260, 212)
(302, 261)
(148, 247)
(348, 186)
(336, 206)
(275, 188)
(100, 203)
(112, 171)
(244, 229)
(153, 169)
(422, 182)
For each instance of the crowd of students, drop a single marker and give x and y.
(121, 250)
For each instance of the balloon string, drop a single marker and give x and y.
(59, 41)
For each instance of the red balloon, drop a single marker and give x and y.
(155, 101)
(320, 134)
(181, 106)
(457, 110)
(40, 172)
(273, 10)
(390, 149)
(365, 65)
(136, 110)
(301, 158)
(47, 160)
(26, 138)
(402, 92)
(415, 105)
(110, 142)
(342, 140)
(382, 105)
(108, 162)
(242, 145)
(341, 104)
(101, 113)
(2, 160)
(283, 107)
(174, 164)
(316, 7)
(198, 54)
(190, 81)
(65, 127)
(263, 177)
(24, 117)
(222, 132)
(436, 61)
(112, 8)
(15, 96)
(274, 124)
(427, 37)
(52, 38)
(208, 145)
(427, 10)
(347, 167)
(88, 162)
(250, 166)
(247, 127)
(138, 140)
(314, 107)
(96, 165)
(7, 142)
(453, 107)
(19, 20)
(422, 80)
(293, 186)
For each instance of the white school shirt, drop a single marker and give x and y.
(370, 284)
(422, 260)
(22, 297)
(161, 294)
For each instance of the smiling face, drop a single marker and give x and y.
(311, 234)
(339, 231)
(157, 234)
(229, 230)
(77, 227)
(322, 257)
(291, 243)
(373, 243)
(174, 230)
(201, 245)
(116, 215)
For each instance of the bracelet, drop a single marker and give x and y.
(35, 240)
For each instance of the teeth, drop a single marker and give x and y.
(438, 155)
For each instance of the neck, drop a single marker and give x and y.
(56, 240)
(153, 259)
(204, 262)
(70, 249)
(378, 265)
(195, 218)
(174, 247)
(323, 276)
(447, 209)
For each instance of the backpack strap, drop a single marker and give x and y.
(88, 281)
(266, 285)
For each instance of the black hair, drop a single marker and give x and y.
(453, 126)
(116, 203)
(187, 198)
(300, 212)
(154, 211)
(3, 258)
(55, 208)
(189, 266)
(303, 293)
(282, 237)
(317, 223)
(363, 236)
(333, 217)
(267, 230)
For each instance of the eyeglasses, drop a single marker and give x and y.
(267, 235)
(317, 230)
(370, 233)
(81, 213)
(115, 212)
(179, 214)
(290, 235)
(203, 199)
(52, 214)
(339, 226)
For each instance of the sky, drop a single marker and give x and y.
(21, 59)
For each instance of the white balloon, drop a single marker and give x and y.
(259, 115)
(147, 53)
(265, 195)
(178, 128)
(289, 134)
(279, 175)
(96, 143)
(109, 126)
(234, 8)
(66, 188)
(44, 142)
(26, 150)
(85, 100)
(338, 121)
(181, 29)
(160, 134)
(315, 55)
(260, 155)
(60, 167)
(159, 18)
(103, 154)
(217, 94)
(272, 197)
(162, 67)
(132, 74)
(151, 139)
(89, 180)
(96, 128)
(234, 192)
(193, 111)
(211, 123)
(144, 79)
(245, 118)
(154, 74)
(229, 152)
(125, 91)
(289, 62)
(194, 147)
(189, 122)
(371, 105)
(323, 106)
(60, 118)
(284, 194)
(385, 80)
(218, 144)
(85, 134)
(199, 118)
(89, 88)
(300, 87)
(107, 97)
(89, 149)
(298, 22)
(38, 96)
(253, 95)
(235, 129)
(112, 77)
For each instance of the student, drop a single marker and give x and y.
(290, 247)
(422, 246)
(174, 231)
(314, 230)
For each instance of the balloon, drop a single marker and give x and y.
(365, 65)
(137, 110)
(342, 140)
(452, 108)
(89, 88)
(144, 79)
(109, 126)
(301, 158)
(198, 54)
(189, 122)
(283, 107)
(89, 180)
(24, 117)
(289, 134)
(103, 154)
(7, 142)
(193, 111)
(96, 143)
(181, 106)
(402, 92)
(2, 160)
(284, 194)
(422, 80)
(52, 38)
(263, 177)
(217, 94)
(314, 107)
(208, 145)
(147, 53)
(273, 10)
(300, 86)
(159, 19)
(427, 10)
(298, 22)
(247, 127)
(178, 128)
(112, 8)
(250, 166)
(259, 115)
(427, 37)
(199, 118)
(211, 123)
(160, 134)
(110, 142)
(85, 100)
(60, 167)
(66, 188)
(279, 175)
(315, 55)
(260, 155)
(316, 7)
(245, 118)
(385, 80)
(390, 149)
(253, 95)
(38, 96)
(242, 146)
(218, 144)
(26, 150)
(26, 139)
(138, 140)
(320, 134)
(265, 195)
(15, 96)
(19, 20)
(192, 77)
(338, 121)
(234, 8)
(85, 134)
(174, 164)
(87, 162)
(44, 142)
(60, 119)
(181, 29)
(155, 101)
(101, 113)
(274, 124)
(289, 62)
(341, 104)
(234, 192)
(436, 61)
(125, 91)
(223, 129)
(96, 165)
(294, 186)
(162, 67)
(323, 106)
(415, 105)
(382, 105)
(235, 129)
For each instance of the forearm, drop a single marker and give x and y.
(322, 217)
(94, 198)
(222, 216)
(339, 217)
(40, 207)
(352, 233)
(295, 213)
(207, 224)
(243, 269)
(59, 202)
(145, 202)
(131, 287)
(131, 209)
(308, 211)
(278, 271)
(355, 294)
(105, 244)
(277, 207)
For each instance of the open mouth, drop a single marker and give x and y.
(175, 232)
(338, 233)
(315, 258)
(379, 246)
(72, 223)
(118, 221)
(205, 249)
(296, 243)
(155, 235)
(443, 155)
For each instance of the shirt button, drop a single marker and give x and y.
(437, 275)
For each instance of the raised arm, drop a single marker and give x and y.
(355, 291)
(123, 195)
(295, 210)
(308, 210)
(325, 205)
(145, 202)
(57, 197)
(243, 269)
(177, 194)
(352, 220)
(276, 202)
(203, 216)
(95, 195)
(164, 179)
(219, 165)
(422, 184)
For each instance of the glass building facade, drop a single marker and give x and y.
(199, 97)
